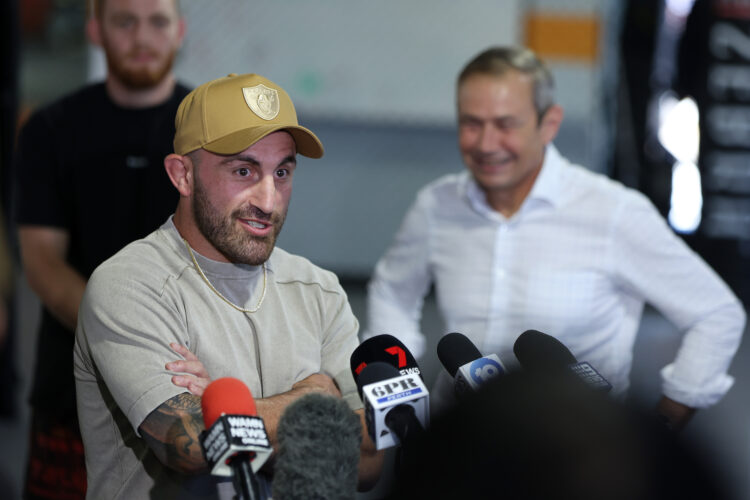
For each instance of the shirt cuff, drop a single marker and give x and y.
(695, 397)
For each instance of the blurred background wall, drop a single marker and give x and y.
(375, 80)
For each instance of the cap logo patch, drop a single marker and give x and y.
(262, 101)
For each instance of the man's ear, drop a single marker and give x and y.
(180, 170)
(551, 121)
(93, 30)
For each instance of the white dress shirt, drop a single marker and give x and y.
(578, 261)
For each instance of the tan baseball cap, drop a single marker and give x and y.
(230, 114)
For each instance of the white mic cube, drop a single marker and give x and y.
(382, 396)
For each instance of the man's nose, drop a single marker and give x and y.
(145, 33)
(140, 32)
(264, 194)
(489, 138)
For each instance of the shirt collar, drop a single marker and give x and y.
(547, 187)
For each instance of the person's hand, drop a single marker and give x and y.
(675, 414)
(318, 382)
(195, 378)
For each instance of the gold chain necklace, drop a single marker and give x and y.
(241, 309)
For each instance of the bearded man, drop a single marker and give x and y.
(211, 284)
(89, 181)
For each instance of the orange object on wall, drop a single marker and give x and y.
(563, 36)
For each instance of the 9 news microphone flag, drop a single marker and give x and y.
(465, 363)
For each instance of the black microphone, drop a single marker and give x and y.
(319, 440)
(465, 363)
(387, 349)
(396, 406)
(537, 351)
(235, 443)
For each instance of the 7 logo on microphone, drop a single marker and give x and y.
(401, 362)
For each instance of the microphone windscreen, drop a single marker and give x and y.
(319, 439)
(455, 350)
(536, 350)
(226, 395)
(385, 348)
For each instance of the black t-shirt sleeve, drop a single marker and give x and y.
(40, 186)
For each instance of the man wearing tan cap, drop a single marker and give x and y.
(211, 280)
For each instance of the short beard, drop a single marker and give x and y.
(233, 243)
(141, 79)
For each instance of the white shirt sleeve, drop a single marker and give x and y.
(400, 282)
(654, 263)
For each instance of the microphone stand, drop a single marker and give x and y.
(403, 422)
(245, 483)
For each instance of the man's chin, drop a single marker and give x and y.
(140, 77)
(257, 255)
(141, 80)
(491, 181)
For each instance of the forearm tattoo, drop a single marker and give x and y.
(172, 430)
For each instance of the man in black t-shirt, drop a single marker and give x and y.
(90, 179)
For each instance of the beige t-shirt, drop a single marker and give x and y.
(148, 295)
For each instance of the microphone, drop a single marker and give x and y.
(319, 439)
(465, 363)
(235, 443)
(387, 349)
(396, 406)
(538, 351)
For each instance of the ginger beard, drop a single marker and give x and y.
(142, 77)
(225, 235)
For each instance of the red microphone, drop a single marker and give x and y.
(235, 443)
(226, 395)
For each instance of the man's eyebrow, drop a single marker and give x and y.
(469, 116)
(254, 161)
(289, 159)
(242, 158)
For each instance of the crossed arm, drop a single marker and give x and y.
(172, 429)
